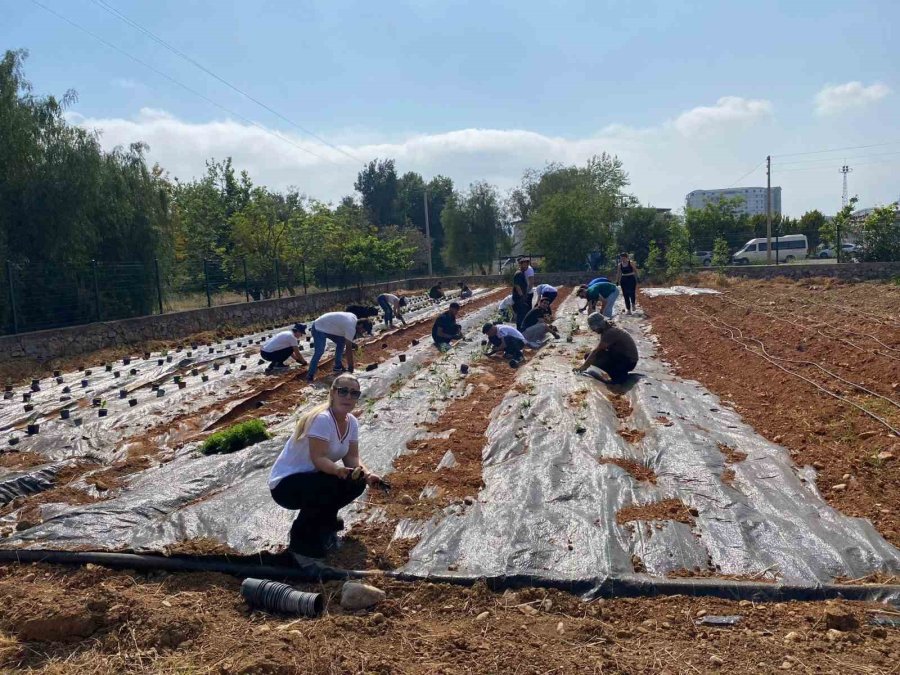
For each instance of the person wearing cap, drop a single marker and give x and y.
(392, 305)
(537, 324)
(464, 291)
(507, 339)
(445, 328)
(604, 292)
(521, 294)
(542, 291)
(341, 328)
(627, 278)
(616, 354)
(282, 346)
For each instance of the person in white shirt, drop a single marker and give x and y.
(506, 307)
(529, 274)
(506, 339)
(282, 346)
(341, 328)
(316, 471)
(542, 291)
(392, 305)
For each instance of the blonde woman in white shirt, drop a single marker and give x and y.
(314, 472)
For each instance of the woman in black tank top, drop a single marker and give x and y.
(628, 281)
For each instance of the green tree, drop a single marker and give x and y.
(565, 229)
(811, 224)
(841, 223)
(639, 228)
(678, 255)
(378, 185)
(881, 235)
(654, 265)
(721, 253)
(472, 227)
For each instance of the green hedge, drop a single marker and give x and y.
(235, 438)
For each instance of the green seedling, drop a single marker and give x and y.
(235, 438)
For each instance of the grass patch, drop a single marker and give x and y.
(235, 438)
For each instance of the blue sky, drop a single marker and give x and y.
(689, 95)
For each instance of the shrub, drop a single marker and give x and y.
(235, 438)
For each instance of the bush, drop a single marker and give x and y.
(235, 438)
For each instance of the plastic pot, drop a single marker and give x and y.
(232, 359)
(57, 373)
(176, 379)
(146, 355)
(116, 373)
(59, 380)
(169, 359)
(108, 367)
(132, 402)
(67, 390)
(243, 366)
(33, 429)
(371, 367)
(103, 412)
(126, 361)
(133, 371)
(182, 385)
(84, 384)
(402, 358)
(77, 421)
(13, 440)
(64, 413)
(29, 407)
(123, 393)
(96, 402)
(159, 362)
(464, 368)
(195, 372)
(160, 393)
(88, 372)
(26, 397)
(204, 378)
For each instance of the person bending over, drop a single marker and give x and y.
(464, 291)
(616, 355)
(537, 324)
(341, 328)
(392, 306)
(436, 293)
(282, 346)
(628, 276)
(603, 292)
(506, 339)
(445, 328)
(547, 291)
(506, 308)
(315, 471)
(596, 280)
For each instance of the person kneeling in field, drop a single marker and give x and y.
(604, 292)
(505, 308)
(506, 339)
(464, 291)
(616, 355)
(282, 346)
(319, 470)
(445, 328)
(341, 328)
(536, 324)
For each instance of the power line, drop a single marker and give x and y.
(830, 167)
(176, 82)
(835, 159)
(746, 174)
(197, 64)
(849, 147)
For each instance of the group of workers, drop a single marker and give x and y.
(319, 470)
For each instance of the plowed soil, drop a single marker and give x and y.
(811, 365)
(667, 509)
(98, 621)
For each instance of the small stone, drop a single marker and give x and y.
(355, 596)
(701, 613)
(547, 604)
(885, 456)
(834, 635)
(406, 500)
(528, 610)
(28, 578)
(716, 661)
(482, 616)
(840, 619)
(745, 603)
(868, 434)
(649, 623)
(793, 636)
(377, 618)
(469, 501)
(840, 487)
(560, 628)
(846, 477)
(786, 665)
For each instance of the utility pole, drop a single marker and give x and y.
(768, 209)
(427, 233)
(837, 225)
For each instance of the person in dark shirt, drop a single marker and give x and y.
(616, 355)
(520, 293)
(436, 293)
(464, 291)
(445, 328)
(537, 323)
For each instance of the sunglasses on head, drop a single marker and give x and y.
(346, 391)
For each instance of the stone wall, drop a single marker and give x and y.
(61, 342)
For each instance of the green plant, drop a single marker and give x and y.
(235, 438)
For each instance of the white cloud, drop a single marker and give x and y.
(728, 111)
(125, 83)
(837, 98)
(665, 161)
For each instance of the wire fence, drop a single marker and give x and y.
(40, 296)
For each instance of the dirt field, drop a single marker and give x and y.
(813, 365)
(93, 620)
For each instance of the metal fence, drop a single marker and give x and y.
(38, 296)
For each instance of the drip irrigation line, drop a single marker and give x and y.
(194, 62)
(633, 585)
(846, 401)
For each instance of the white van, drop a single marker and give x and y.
(786, 248)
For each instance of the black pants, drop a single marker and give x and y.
(319, 496)
(629, 286)
(512, 347)
(522, 306)
(278, 357)
(614, 365)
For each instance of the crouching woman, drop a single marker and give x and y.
(314, 472)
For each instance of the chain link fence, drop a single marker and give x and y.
(40, 296)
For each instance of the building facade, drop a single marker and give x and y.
(754, 199)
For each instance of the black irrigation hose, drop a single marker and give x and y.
(732, 337)
(590, 587)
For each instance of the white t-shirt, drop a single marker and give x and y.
(540, 289)
(506, 303)
(392, 300)
(295, 456)
(281, 340)
(504, 331)
(337, 323)
(529, 276)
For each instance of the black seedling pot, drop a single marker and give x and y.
(29, 407)
(123, 393)
(204, 378)
(57, 373)
(88, 372)
(133, 371)
(33, 429)
(103, 412)
(195, 372)
(67, 390)
(371, 367)
(116, 373)
(132, 402)
(96, 402)
(26, 397)
(108, 367)
(159, 362)
(169, 359)
(59, 380)
(232, 359)
(464, 368)
(402, 358)
(64, 413)
(182, 385)
(84, 384)
(126, 361)
(13, 440)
